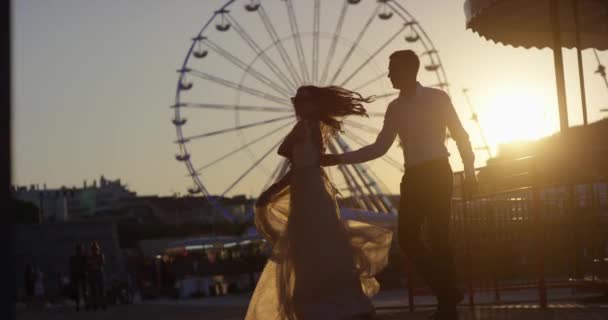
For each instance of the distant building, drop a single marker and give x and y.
(52, 204)
(72, 203)
(580, 153)
(181, 210)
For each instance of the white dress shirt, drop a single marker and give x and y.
(420, 121)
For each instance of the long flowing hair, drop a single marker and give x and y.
(333, 104)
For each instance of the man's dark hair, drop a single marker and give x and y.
(406, 59)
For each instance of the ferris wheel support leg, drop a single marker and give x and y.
(356, 193)
(370, 184)
(369, 198)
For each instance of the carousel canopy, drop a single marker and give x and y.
(527, 23)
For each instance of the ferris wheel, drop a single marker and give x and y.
(232, 104)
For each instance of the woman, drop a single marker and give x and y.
(321, 267)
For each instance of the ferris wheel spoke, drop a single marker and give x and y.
(285, 168)
(355, 190)
(293, 24)
(354, 45)
(377, 179)
(273, 177)
(255, 164)
(316, 24)
(374, 79)
(328, 60)
(279, 171)
(362, 143)
(230, 107)
(234, 85)
(243, 147)
(367, 184)
(246, 126)
(253, 45)
(248, 69)
(373, 55)
(372, 183)
(334, 41)
(272, 33)
(353, 173)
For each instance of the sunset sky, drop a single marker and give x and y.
(93, 82)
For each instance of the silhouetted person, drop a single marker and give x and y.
(420, 116)
(95, 276)
(29, 278)
(78, 275)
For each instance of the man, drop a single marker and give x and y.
(420, 116)
(78, 275)
(28, 279)
(95, 275)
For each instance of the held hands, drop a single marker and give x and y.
(330, 160)
(470, 186)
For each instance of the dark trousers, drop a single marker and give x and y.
(79, 290)
(426, 193)
(97, 292)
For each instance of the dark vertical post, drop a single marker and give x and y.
(494, 249)
(467, 221)
(8, 296)
(539, 231)
(596, 235)
(571, 211)
(410, 283)
(558, 59)
(579, 55)
(158, 276)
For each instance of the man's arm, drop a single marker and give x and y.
(461, 137)
(375, 150)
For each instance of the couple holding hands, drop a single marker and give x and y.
(322, 266)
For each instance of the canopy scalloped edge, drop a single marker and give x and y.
(500, 22)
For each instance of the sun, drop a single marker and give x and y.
(515, 115)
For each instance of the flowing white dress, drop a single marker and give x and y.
(322, 267)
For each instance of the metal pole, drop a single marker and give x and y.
(558, 60)
(410, 283)
(538, 227)
(571, 208)
(467, 214)
(495, 251)
(579, 55)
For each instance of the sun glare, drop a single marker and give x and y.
(507, 117)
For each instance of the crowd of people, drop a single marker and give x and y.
(199, 273)
(211, 273)
(85, 284)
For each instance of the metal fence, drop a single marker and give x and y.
(538, 237)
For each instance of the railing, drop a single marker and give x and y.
(538, 236)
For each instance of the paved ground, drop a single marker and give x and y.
(564, 306)
(162, 312)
